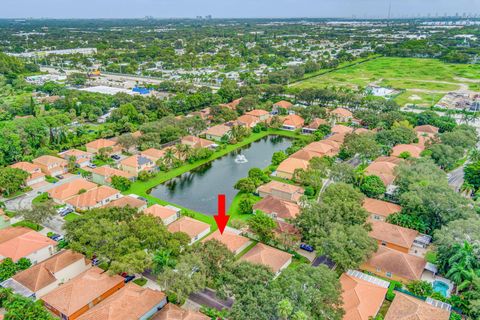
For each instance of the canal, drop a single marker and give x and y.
(198, 189)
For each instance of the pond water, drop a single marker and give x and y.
(198, 189)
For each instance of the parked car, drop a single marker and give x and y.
(115, 157)
(95, 262)
(60, 177)
(60, 210)
(92, 165)
(129, 278)
(306, 247)
(66, 211)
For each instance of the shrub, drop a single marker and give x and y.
(420, 288)
(245, 206)
(373, 186)
(309, 191)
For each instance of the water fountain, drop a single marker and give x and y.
(241, 159)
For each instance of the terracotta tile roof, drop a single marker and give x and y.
(21, 243)
(75, 153)
(286, 228)
(81, 290)
(405, 307)
(293, 120)
(25, 166)
(196, 142)
(339, 128)
(109, 172)
(280, 186)
(153, 154)
(172, 312)
(283, 104)
(160, 211)
(101, 143)
(231, 240)
(189, 226)
(126, 201)
(361, 299)
(70, 189)
(323, 148)
(283, 209)
(426, 129)
(41, 275)
(361, 131)
(290, 164)
(232, 105)
(267, 256)
(12, 232)
(398, 263)
(92, 197)
(384, 168)
(50, 160)
(342, 112)
(218, 130)
(137, 161)
(307, 155)
(257, 113)
(391, 233)
(337, 137)
(130, 302)
(317, 122)
(248, 120)
(381, 208)
(412, 149)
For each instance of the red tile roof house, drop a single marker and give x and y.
(103, 175)
(137, 163)
(362, 295)
(426, 133)
(96, 145)
(341, 115)
(314, 125)
(48, 275)
(82, 158)
(195, 229)
(293, 122)
(277, 209)
(380, 210)
(52, 166)
(340, 128)
(153, 154)
(405, 307)
(196, 142)
(275, 259)
(281, 105)
(288, 166)
(323, 148)
(127, 201)
(94, 198)
(130, 302)
(393, 236)
(281, 190)
(35, 172)
(262, 115)
(412, 150)
(172, 312)
(232, 105)
(233, 241)
(248, 121)
(384, 168)
(63, 192)
(19, 242)
(82, 293)
(167, 214)
(217, 132)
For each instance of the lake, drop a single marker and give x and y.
(198, 189)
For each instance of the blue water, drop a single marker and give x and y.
(440, 287)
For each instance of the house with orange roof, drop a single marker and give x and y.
(380, 210)
(105, 144)
(304, 154)
(216, 133)
(340, 128)
(104, 174)
(195, 229)
(35, 172)
(277, 209)
(341, 115)
(235, 242)
(262, 115)
(362, 295)
(395, 265)
(292, 122)
(336, 137)
(314, 125)
(168, 214)
(406, 307)
(82, 293)
(287, 168)
(204, 114)
(46, 276)
(94, 198)
(270, 257)
(82, 158)
(392, 236)
(323, 148)
(68, 190)
(412, 150)
(285, 105)
(20, 242)
(127, 201)
(136, 164)
(51, 166)
(248, 121)
(172, 312)
(384, 168)
(426, 133)
(285, 191)
(232, 105)
(196, 142)
(153, 154)
(130, 302)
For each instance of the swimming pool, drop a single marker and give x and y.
(440, 287)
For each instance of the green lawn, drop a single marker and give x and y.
(233, 210)
(40, 198)
(71, 216)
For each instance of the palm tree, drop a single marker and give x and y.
(462, 263)
(471, 277)
(285, 308)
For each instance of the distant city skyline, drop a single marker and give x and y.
(237, 8)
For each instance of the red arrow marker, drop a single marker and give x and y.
(221, 219)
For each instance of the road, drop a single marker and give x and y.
(455, 178)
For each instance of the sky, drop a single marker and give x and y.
(233, 8)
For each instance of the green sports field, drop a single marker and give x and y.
(424, 80)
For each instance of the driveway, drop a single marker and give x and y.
(455, 178)
(207, 297)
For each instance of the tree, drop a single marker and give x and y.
(461, 262)
(8, 268)
(246, 205)
(120, 183)
(258, 176)
(12, 180)
(246, 185)
(18, 307)
(40, 212)
(396, 135)
(278, 157)
(418, 171)
(472, 174)
(72, 164)
(362, 144)
(127, 141)
(285, 309)
(445, 156)
(342, 172)
(263, 226)
(372, 186)
(420, 288)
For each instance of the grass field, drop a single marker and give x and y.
(424, 80)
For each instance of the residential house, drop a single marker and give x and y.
(128, 201)
(196, 142)
(336, 137)
(392, 236)
(340, 128)
(216, 133)
(248, 121)
(275, 259)
(395, 265)
(380, 210)
(277, 209)
(136, 164)
(105, 144)
(292, 122)
(51, 166)
(406, 307)
(384, 168)
(233, 241)
(362, 295)
(35, 174)
(426, 133)
(314, 125)
(153, 154)
(168, 214)
(104, 174)
(285, 105)
(341, 115)
(195, 229)
(65, 191)
(20, 242)
(48, 275)
(285, 191)
(361, 131)
(306, 155)
(232, 105)
(172, 312)
(287, 168)
(262, 115)
(82, 158)
(412, 150)
(82, 293)
(94, 198)
(130, 302)
(323, 148)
